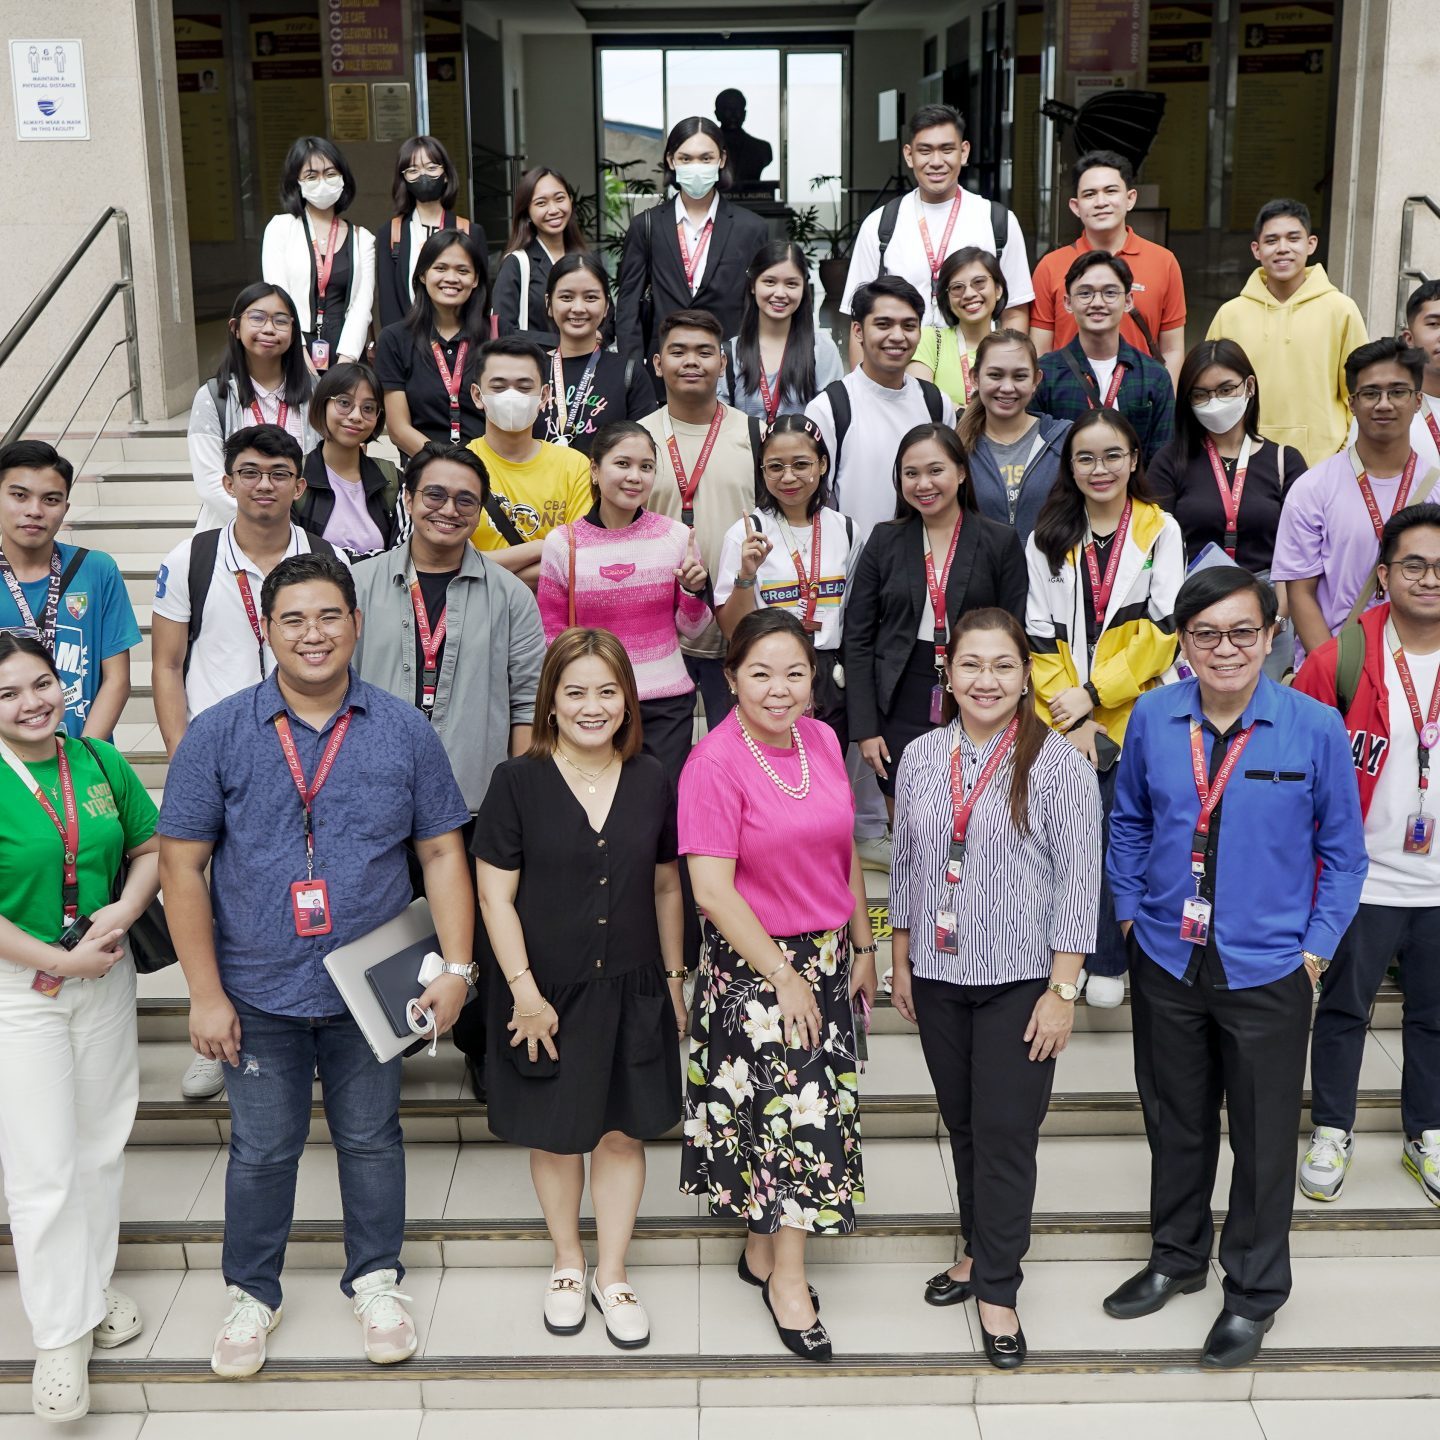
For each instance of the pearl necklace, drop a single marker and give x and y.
(585, 774)
(795, 792)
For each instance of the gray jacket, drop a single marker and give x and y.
(494, 646)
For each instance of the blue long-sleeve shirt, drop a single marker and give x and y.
(1292, 800)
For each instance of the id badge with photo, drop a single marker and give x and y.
(1195, 920)
(320, 353)
(310, 900)
(47, 984)
(947, 932)
(1419, 833)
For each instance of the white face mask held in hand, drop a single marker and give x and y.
(1218, 415)
(512, 410)
(697, 181)
(322, 194)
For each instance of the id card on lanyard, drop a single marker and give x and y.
(1230, 493)
(935, 584)
(310, 898)
(570, 420)
(452, 382)
(1419, 828)
(689, 484)
(430, 643)
(1197, 913)
(44, 628)
(324, 264)
(809, 597)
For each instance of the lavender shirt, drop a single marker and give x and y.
(350, 526)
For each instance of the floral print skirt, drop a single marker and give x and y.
(772, 1132)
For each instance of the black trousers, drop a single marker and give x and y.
(992, 1098)
(1196, 1045)
(1377, 935)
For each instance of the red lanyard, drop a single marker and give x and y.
(688, 485)
(1100, 590)
(1113, 391)
(1427, 732)
(281, 411)
(452, 382)
(325, 263)
(809, 584)
(692, 267)
(247, 599)
(1401, 495)
(1431, 422)
(45, 630)
(1210, 794)
(936, 261)
(964, 804)
(69, 829)
(308, 794)
(1230, 494)
(430, 643)
(936, 585)
(770, 401)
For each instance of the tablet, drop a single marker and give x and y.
(411, 931)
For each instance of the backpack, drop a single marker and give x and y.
(204, 550)
(839, 398)
(890, 215)
(1349, 664)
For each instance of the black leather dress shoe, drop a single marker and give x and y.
(1234, 1341)
(945, 1289)
(1149, 1291)
(1005, 1352)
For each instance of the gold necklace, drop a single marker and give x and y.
(795, 792)
(586, 774)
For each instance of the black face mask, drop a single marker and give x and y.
(427, 187)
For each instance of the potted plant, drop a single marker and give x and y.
(829, 244)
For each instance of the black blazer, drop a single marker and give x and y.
(394, 267)
(887, 596)
(737, 235)
(312, 511)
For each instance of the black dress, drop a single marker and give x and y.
(331, 310)
(586, 902)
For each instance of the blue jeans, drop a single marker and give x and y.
(1111, 956)
(269, 1093)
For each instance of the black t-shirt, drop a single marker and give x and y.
(1190, 493)
(608, 399)
(433, 584)
(401, 364)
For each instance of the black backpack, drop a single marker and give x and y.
(890, 215)
(839, 398)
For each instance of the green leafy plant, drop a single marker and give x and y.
(826, 242)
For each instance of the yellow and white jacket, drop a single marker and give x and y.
(1137, 642)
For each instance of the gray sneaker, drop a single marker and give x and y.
(1422, 1159)
(1323, 1170)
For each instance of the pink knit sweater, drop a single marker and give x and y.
(625, 582)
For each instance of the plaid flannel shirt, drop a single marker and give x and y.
(1146, 398)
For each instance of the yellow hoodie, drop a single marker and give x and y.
(1298, 348)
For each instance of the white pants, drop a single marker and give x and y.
(69, 1087)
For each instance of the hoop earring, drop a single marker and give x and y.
(551, 721)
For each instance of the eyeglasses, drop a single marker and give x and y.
(1000, 669)
(251, 475)
(1228, 391)
(1087, 464)
(800, 469)
(414, 172)
(980, 285)
(345, 404)
(1111, 294)
(435, 497)
(1412, 567)
(1374, 394)
(261, 318)
(1243, 638)
(330, 173)
(331, 623)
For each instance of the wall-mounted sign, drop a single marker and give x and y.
(48, 79)
(365, 39)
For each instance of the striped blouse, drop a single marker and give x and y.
(1021, 897)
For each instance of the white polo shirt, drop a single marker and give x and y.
(225, 657)
(905, 255)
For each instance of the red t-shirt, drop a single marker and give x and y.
(1159, 290)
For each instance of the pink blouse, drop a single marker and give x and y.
(792, 857)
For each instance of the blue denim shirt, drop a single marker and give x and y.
(1291, 801)
(229, 784)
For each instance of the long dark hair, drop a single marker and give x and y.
(949, 442)
(474, 314)
(409, 149)
(797, 425)
(687, 129)
(291, 200)
(797, 370)
(567, 265)
(1061, 523)
(235, 365)
(1033, 730)
(522, 227)
(971, 424)
(1189, 432)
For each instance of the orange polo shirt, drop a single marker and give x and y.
(1159, 290)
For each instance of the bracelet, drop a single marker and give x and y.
(511, 979)
(1092, 692)
(674, 974)
(869, 949)
(770, 975)
(530, 1014)
(742, 584)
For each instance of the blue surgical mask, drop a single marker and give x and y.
(697, 181)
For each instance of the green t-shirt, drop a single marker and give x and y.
(32, 854)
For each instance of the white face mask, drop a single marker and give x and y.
(322, 194)
(512, 410)
(1218, 415)
(697, 181)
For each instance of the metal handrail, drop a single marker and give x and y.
(1409, 276)
(123, 287)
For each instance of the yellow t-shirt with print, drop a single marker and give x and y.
(539, 495)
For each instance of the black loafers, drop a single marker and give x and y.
(811, 1344)
(743, 1270)
(1234, 1341)
(945, 1289)
(1149, 1291)
(1005, 1352)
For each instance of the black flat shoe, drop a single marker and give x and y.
(1234, 1341)
(1005, 1352)
(945, 1289)
(811, 1344)
(1149, 1291)
(743, 1270)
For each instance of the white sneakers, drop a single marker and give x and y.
(565, 1302)
(1421, 1158)
(1326, 1163)
(240, 1345)
(1105, 992)
(60, 1389)
(121, 1322)
(626, 1322)
(203, 1079)
(875, 852)
(389, 1330)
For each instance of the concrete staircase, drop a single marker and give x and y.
(1363, 1325)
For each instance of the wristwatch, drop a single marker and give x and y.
(1319, 962)
(1064, 989)
(470, 973)
(741, 583)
